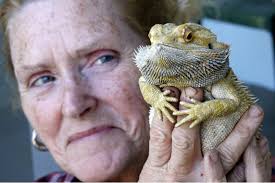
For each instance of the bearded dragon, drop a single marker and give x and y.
(189, 55)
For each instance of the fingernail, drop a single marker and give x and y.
(263, 142)
(255, 111)
(190, 91)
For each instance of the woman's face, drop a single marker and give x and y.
(79, 85)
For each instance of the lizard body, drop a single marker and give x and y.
(190, 55)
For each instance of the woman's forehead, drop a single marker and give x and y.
(49, 13)
(73, 20)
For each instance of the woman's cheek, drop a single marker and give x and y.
(44, 115)
(130, 102)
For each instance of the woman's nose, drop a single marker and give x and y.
(77, 100)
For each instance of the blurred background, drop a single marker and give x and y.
(248, 26)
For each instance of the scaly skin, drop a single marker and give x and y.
(189, 55)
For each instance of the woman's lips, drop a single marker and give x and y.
(89, 132)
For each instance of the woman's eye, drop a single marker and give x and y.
(104, 59)
(43, 80)
(101, 61)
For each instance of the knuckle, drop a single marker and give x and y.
(238, 174)
(228, 157)
(175, 177)
(182, 142)
(243, 131)
(172, 178)
(260, 163)
(157, 136)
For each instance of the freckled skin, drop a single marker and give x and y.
(83, 95)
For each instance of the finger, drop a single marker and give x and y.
(185, 141)
(234, 145)
(263, 142)
(255, 162)
(160, 138)
(237, 174)
(213, 168)
(258, 169)
(265, 151)
(268, 167)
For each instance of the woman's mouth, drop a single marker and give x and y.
(91, 132)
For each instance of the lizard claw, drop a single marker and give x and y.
(159, 114)
(166, 92)
(169, 99)
(182, 112)
(168, 115)
(195, 123)
(162, 105)
(186, 105)
(184, 120)
(194, 101)
(195, 112)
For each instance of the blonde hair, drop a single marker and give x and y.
(143, 14)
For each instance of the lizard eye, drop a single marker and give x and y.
(187, 35)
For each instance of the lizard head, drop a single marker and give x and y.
(188, 35)
(188, 54)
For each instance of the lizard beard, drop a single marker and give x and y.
(163, 64)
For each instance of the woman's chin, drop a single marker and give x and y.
(99, 158)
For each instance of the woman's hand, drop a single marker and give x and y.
(175, 153)
(255, 166)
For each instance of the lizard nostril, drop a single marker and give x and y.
(210, 46)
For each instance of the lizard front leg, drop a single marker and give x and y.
(226, 101)
(157, 99)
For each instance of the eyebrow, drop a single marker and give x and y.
(92, 45)
(101, 40)
(87, 48)
(38, 66)
(98, 43)
(25, 70)
(76, 54)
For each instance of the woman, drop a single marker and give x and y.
(72, 61)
